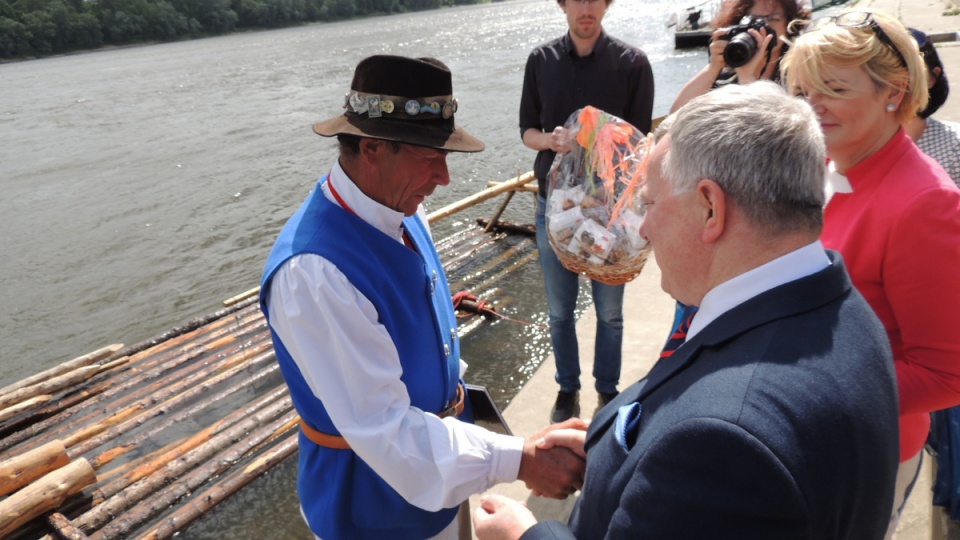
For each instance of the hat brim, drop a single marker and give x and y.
(407, 132)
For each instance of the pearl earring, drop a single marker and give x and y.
(891, 107)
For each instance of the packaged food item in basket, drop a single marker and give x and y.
(593, 206)
(593, 242)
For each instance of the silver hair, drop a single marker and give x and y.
(763, 147)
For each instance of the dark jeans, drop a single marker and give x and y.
(563, 286)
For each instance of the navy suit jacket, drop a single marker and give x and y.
(777, 421)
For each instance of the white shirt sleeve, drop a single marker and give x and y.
(350, 363)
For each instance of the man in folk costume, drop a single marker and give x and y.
(365, 333)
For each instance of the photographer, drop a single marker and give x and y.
(774, 14)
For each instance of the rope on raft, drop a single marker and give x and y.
(468, 302)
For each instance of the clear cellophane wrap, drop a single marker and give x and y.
(593, 198)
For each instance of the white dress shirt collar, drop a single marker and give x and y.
(802, 262)
(835, 182)
(386, 220)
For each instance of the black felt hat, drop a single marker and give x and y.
(408, 100)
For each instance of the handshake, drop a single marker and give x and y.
(553, 465)
(554, 460)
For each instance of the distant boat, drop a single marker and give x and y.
(692, 23)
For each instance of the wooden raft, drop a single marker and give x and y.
(140, 441)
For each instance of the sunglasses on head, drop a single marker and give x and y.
(858, 19)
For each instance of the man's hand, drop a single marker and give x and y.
(557, 140)
(573, 439)
(501, 518)
(560, 139)
(555, 472)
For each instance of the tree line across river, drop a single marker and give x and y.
(35, 28)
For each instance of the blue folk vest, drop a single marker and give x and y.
(341, 496)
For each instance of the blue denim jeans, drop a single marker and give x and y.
(563, 286)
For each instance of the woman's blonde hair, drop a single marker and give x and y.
(812, 54)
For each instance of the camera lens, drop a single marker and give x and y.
(739, 50)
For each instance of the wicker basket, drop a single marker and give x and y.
(594, 213)
(618, 274)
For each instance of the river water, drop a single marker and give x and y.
(142, 186)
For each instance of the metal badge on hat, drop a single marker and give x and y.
(449, 108)
(377, 105)
(374, 103)
(357, 103)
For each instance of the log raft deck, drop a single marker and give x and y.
(101, 446)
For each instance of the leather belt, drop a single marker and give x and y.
(455, 408)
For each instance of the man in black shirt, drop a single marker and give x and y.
(583, 67)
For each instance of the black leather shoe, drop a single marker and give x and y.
(567, 406)
(605, 397)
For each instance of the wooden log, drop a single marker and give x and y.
(452, 263)
(46, 387)
(470, 237)
(510, 226)
(180, 391)
(118, 394)
(171, 466)
(69, 365)
(111, 482)
(466, 244)
(500, 275)
(176, 395)
(206, 500)
(57, 383)
(154, 503)
(132, 443)
(245, 295)
(19, 471)
(480, 196)
(484, 268)
(146, 365)
(24, 428)
(24, 406)
(185, 328)
(63, 528)
(496, 215)
(453, 239)
(526, 188)
(45, 494)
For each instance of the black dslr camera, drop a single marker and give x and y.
(742, 46)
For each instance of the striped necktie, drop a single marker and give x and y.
(680, 334)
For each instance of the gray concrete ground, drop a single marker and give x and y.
(648, 311)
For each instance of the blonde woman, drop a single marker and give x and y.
(894, 214)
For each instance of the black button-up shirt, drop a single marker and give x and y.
(615, 78)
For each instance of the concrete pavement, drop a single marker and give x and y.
(648, 311)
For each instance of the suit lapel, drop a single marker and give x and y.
(662, 371)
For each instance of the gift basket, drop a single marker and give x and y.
(593, 208)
